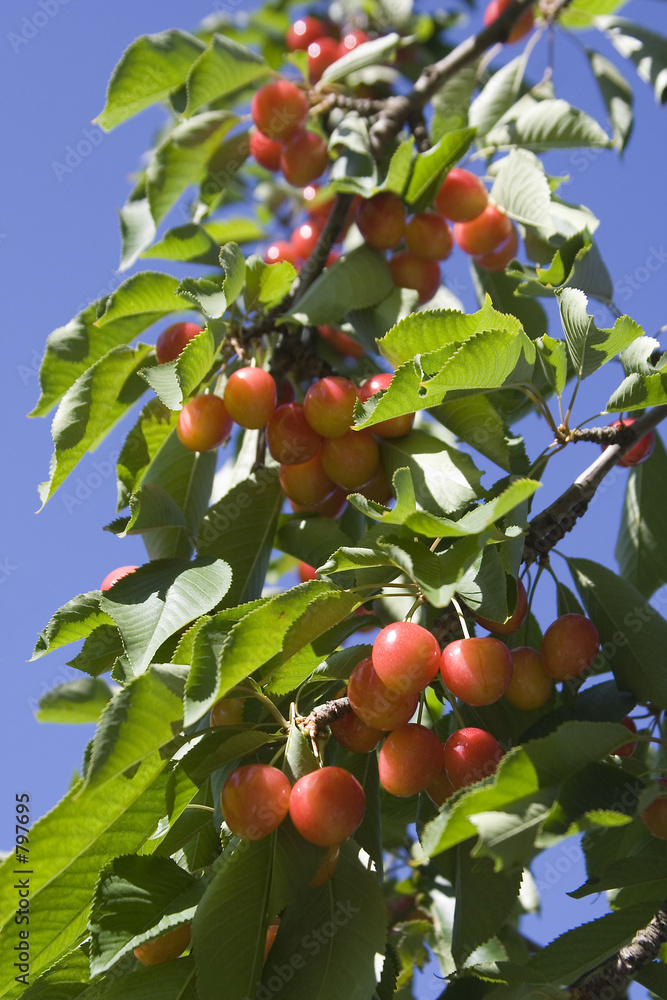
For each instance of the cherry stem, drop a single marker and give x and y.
(462, 621)
(268, 704)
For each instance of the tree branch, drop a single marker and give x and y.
(321, 717)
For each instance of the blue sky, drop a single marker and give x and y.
(63, 181)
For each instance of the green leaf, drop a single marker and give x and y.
(74, 701)
(638, 391)
(545, 125)
(445, 479)
(399, 168)
(148, 294)
(151, 509)
(329, 936)
(221, 173)
(553, 357)
(201, 243)
(485, 899)
(521, 189)
(616, 94)
(68, 847)
(174, 381)
(430, 167)
(66, 980)
(275, 281)
(653, 977)
(136, 900)
(646, 49)
(582, 13)
(150, 69)
(641, 549)
(497, 96)
(158, 599)
(370, 53)
(313, 538)
(562, 266)
(75, 620)
(354, 169)
(169, 981)
(644, 869)
(359, 280)
(452, 102)
(73, 348)
(590, 347)
(99, 652)
(503, 290)
(438, 575)
(475, 420)
(630, 629)
(154, 425)
(225, 66)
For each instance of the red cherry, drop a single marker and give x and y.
(406, 656)
(531, 686)
(569, 646)
(266, 151)
(640, 451)
(304, 157)
(409, 760)
(116, 574)
(305, 482)
(355, 735)
(325, 872)
(379, 706)
(204, 423)
(377, 488)
(290, 437)
(628, 749)
(332, 505)
(304, 238)
(279, 110)
(255, 800)
(329, 405)
(522, 27)
(381, 220)
(341, 342)
(321, 53)
(282, 250)
(654, 817)
(484, 233)
(303, 32)
(171, 341)
(477, 670)
(441, 788)
(271, 932)
(498, 259)
(428, 236)
(410, 271)
(306, 572)
(226, 712)
(395, 426)
(165, 948)
(327, 805)
(317, 205)
(462, 196)
(351, 458)
(250, 397)
(350, 41)
(470, 755)
(513, 623)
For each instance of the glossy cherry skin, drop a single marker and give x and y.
(484, 233)
(351, 459)
(470, 755)
(512, 623)
(282, 250)
(255, 800)
(290, 437)
(306, 572)
(409, 760)
(203, 423)
(305, 482)
(226, 712)
(477, 671)
(377, 488)
(116, 574)
(410, 271)
(522, 27)
(171, 341)
(379, 706)
(395, 426)
(341, 341)
(279, 110)
(304, 157)
(462, 196)
(441, 788)
(498, 259)
(250, 397)
(406, 656)
(332, 505)
(654, 817)
(429, 236)
(327, 805)
(381, 220)
(355, 735)
(569, 646)
(640, 451)
(321, 53)
(531, 686)
(350, 40)
(304, 238)
(164, 948)
(266, 151)
(303, 32)
(628, 749)
(329, 405)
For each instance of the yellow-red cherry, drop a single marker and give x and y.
(165, 948)
(305, 482)
(654, 817)
(462, 196)
(409, 760)
(406, 656)
(530, 687)
(514, 621)
(203, 423)
(279, 110)
(379, 706)
(171, 341)
(569, 647)
(522, 27)
(381, 220)
(470, 755)
(484, 233)
(477, 671)
(410, 271)
(351, 459)
(250, 397)
(329, 405)
(116, 574)
(327, 805)
(290, 437)
(394, 426)
(255, 800)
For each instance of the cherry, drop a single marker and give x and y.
(327, 867)
(171, 341)
(462, 196)
(266, 151)
(255, 800)
(204, 423)
(350, 41)
(470, 755)
(250, 397)
(316, 204)
(332, 505)
(290, 437)
(279, 110)
(116, 574)
(654, 817)
(429, 236)
(531, 686)
(271, 932)
(381, 220)
(321, 53)
(377, 488)
(282, 250)
(306, 572)
(395, 426)
(355, 735)
(164, 948)
(379, 706)
(484, 233)
(522, 27)
(304, 238)
(303, 32)
(305, 482)
(304, 157)
(351, 459)
(477, 670)
(406, 656)
(628, 749)
(640, 451)
(226, 712)
(512, 623)
(409, 760)
(329, 405)
(327, 805)
(441, 788)
(498, 259)
(410, 271)
(569, 646)
(341, 342)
